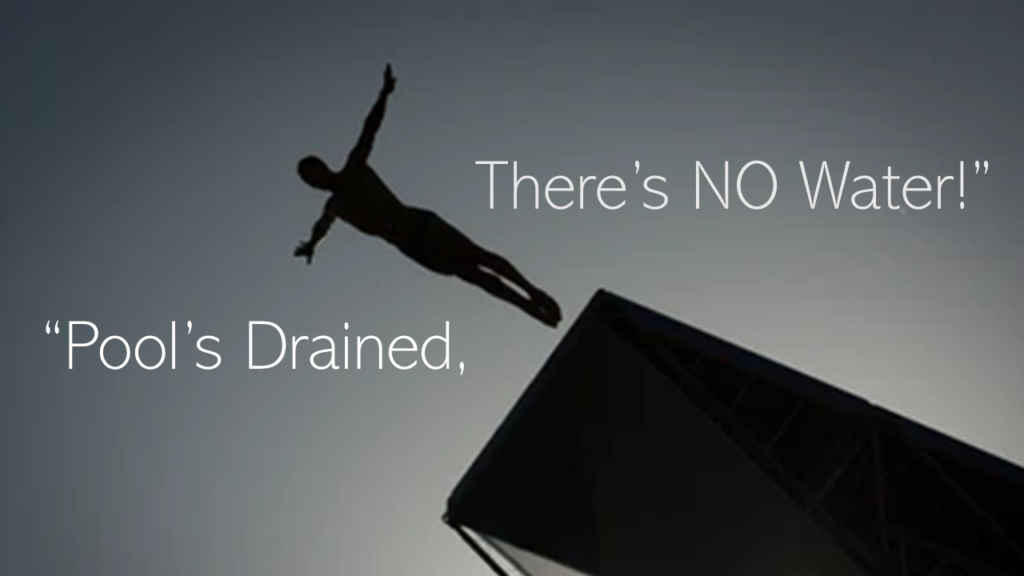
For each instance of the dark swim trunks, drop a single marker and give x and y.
(432, 242)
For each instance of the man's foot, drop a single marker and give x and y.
(548, 307)
(542, 314)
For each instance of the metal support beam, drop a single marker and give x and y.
(939, 567)
(971, 504)
(956, 558)
(903, 557)
(782, 430)
(876, 449)
(475, 546)
(843, 467)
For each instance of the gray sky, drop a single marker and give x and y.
(149, 154)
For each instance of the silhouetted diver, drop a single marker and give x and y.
(360, 197)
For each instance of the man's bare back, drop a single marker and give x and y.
(360, 197)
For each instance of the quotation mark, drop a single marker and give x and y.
(56, 327)
(977, 170)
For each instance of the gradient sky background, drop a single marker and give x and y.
(148, 176)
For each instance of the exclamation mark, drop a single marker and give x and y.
(961, 184)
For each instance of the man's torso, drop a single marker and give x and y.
(361, 198)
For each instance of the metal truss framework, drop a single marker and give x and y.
(900, 499)
(897, 508)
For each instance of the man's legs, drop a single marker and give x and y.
(501, 266)
(440, 247)
(494, 286)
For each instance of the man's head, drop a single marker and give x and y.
(315, 172)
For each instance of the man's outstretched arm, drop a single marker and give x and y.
(320, 229)
(361, 152)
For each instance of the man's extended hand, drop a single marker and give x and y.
(305, 249)
(389, 80)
